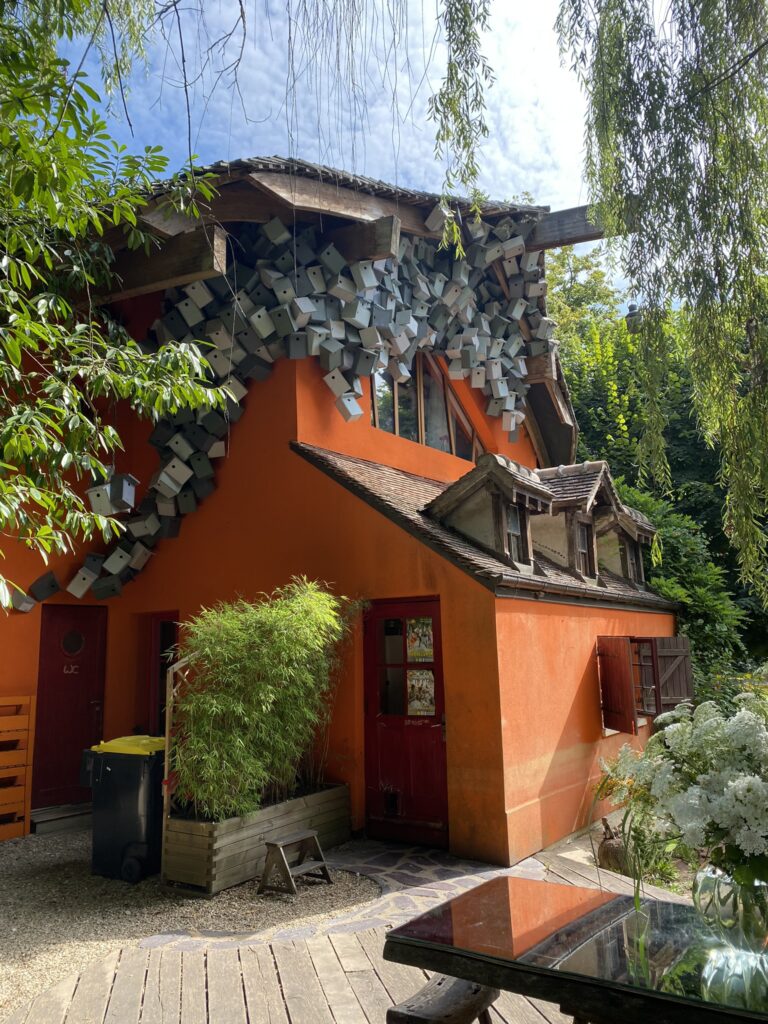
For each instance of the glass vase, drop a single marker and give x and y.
(737, 978)
(737, 912)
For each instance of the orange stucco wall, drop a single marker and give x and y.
(522, 711)
(551, 722)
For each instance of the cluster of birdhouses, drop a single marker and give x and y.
(292, 294)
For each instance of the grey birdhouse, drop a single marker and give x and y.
(348, 407)
(81, 582)
(21, 602)
(44, 586)
(117, 560)
(106, 587)
(100, 499)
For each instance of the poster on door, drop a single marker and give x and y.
(421, 691)
(419, 642)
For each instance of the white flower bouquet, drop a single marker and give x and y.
(703, 778)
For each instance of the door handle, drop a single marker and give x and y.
(442, 725)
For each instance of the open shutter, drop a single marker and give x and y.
(675, 673)
(614, 666)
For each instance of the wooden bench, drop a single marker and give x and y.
(445, 1001)
(304, 848)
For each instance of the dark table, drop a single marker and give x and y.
(597, 955)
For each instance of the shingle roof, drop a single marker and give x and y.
(574, 485)
(514, 479)
(402, 497)
(358, 182)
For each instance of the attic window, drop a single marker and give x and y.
(585, 548)
(423, 409)
(516, 534)
(631, 560)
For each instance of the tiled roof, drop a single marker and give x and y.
(509, 475)
(402, 498)
(573, 485)
(360, 183)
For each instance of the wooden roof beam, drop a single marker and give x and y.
(334, 200)
(565, 227)
(193, 256)
(373, 240)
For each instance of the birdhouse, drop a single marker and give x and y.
(348, 407)
(365, 362)
(199, 292)
(106, 587)
(191, 312)
(81, 582)
(284, 290)
(140, 555)
(283, 321)
(201, 466)
(277, 232)
(331, 259)
(22, 602)
(144, 526)
(337, 382)
(117, 560)
(186, 500)
(100, 499)
(44, 586)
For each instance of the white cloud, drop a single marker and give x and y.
(535, 109)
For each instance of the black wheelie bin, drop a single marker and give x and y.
(126, 778)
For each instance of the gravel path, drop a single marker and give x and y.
(56, 917)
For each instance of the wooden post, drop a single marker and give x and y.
(169, 701)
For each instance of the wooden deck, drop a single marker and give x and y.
(336, 979)
(329, 979)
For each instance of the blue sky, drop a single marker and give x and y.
(535, 109)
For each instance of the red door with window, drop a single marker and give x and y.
(405, 774)
(70, 700)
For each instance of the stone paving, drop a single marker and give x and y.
(412, 881)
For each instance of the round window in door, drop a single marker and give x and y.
(72, 643)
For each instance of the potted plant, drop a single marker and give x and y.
(245, 734)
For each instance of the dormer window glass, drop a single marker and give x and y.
(631, 560)
(515, 545)
(585, 549)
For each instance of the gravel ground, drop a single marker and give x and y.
(56, 917)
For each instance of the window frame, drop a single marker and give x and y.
(641, 677)
(425, 363)
(585, 522)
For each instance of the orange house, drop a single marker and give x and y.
(400, 428)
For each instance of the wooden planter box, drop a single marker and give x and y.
(211, 856)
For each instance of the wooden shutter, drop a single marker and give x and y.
(675, 674)
(614, 665)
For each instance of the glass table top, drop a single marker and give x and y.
(664, 948)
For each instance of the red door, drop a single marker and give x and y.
(405, 776)
(70, 698)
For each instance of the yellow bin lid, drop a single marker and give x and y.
(131, 745)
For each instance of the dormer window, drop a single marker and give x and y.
(585, 548)
(631, 560)
(516, 539)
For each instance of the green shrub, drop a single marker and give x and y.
(256, 696)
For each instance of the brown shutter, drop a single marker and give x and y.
(614, 666)
(675, 673)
